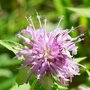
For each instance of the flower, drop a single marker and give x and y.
(49, 52)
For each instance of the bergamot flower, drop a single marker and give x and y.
(49, 52)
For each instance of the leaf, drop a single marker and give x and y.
(33, 85)
(11, 45)
(5, 73)
(59, 87)
(59, 7)
(5, 61)
(80, 59)
(88, 72)
(21, 87)
(47, 82)
(85, 12)
(23, 76)
(7, 83)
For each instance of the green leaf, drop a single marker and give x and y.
(33, 85)
(7, 83)
(88, 72)
(21, 87)
(5, 61)
(23, 76)
(80, 59)
(5, 73)
(81, 11)
(47, 82)
(59, 87)
(59, 7)
(57, 84)
(11, 45)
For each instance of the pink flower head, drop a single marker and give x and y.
(49, 52)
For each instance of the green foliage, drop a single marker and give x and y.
(81, 11)
(21, 87)
(58, 87)
(80, 59)
(23, 76)
(88, 72)
(7, 83)
(6, 61)
(5, 73)
(13, 46)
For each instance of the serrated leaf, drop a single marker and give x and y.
(23, 76)
(11, 45)
(80, 59)
(85, 12)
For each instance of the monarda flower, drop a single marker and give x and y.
(49, 52)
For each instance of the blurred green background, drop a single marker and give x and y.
(12, 19)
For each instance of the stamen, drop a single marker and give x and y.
(31, 22)
(82, 66)
(81, 35)
(72, 29)
(38, 17)
(79, 40)
(60, 21)
(45, 37)
(25, 39)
